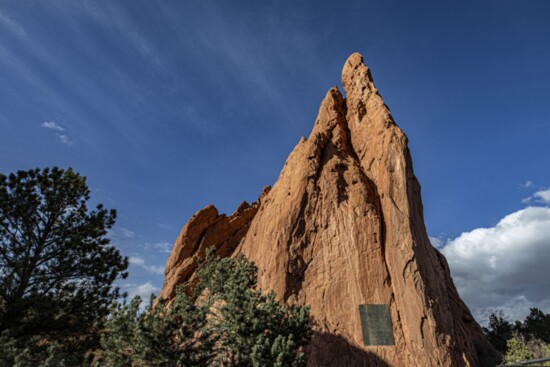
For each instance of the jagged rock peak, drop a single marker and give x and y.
(204, 230)
(343, 227)
(353, 64)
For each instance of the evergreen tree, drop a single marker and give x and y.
(499, 331)
(57, 267)
(252, 329)
(225, 322)
(537, 325)
(166, 335)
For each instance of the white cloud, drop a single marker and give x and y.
(527, 184)
(505, 266)
(437, 242)
(163, 247)
(127, 233)
(143, 290)
(64, 139)
(140, 262)
(52, 125)
(543, 196)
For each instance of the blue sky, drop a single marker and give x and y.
(168, 106)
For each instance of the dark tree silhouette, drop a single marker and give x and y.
(57, 266)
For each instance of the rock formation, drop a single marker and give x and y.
(343, 226)
(205, 229)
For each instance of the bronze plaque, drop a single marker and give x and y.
(376, 325)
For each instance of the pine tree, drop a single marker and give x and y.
(537, 324)
(499, 330)
(57, 266)
(253, 329)
(225, 321)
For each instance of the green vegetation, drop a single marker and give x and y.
(518, 350)
(520, 341)
(57, 266)
(224, 322)
(58, 306)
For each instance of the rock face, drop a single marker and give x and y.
(343, 226)
(205, 229)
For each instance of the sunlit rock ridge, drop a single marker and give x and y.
(343, 226)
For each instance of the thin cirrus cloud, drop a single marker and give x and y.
(127, 233)
(52, 125)
(163, 247)
(506, 266)
(118, 90)
(64, 139)
(58, 129)
(141, 263)
(52, 96)
(12, 26)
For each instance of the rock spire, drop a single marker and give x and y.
(342, 227)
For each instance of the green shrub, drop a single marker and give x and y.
(225, 321)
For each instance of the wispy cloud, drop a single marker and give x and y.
(163, 246)
(437, 242)
(12, 26)
(62, 138)
(117, 19)
(143, 290)
(140, 262)
(127, 233)
(543, 196)
(527, 184)
(52, 125)
(246, 56)
(53, 95)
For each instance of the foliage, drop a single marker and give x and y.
(537, 324)
(538, 348)
(225, 322)
(57, 264)
(499, 331)
(171, 335)
(517, 350)
(252, 329)
(520, 349)
(522, 341)
(32, 351)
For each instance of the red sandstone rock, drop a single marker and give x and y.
(205, 229)
(343, 226)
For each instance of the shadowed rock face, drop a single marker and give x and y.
(343, 226)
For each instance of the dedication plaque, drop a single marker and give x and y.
(376, 325)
